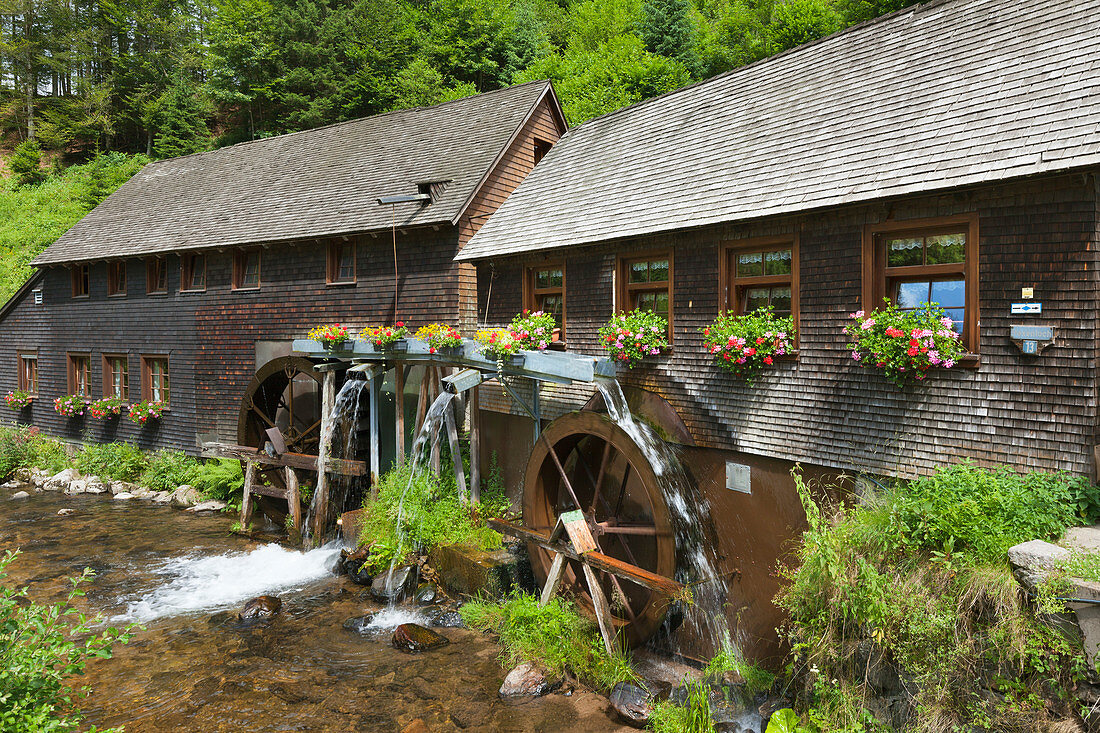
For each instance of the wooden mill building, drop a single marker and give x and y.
(972, 119)
(202, 269)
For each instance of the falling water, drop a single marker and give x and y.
(345, 422)
(696, 566)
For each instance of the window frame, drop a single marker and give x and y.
(73, 373)
(108, 377)
(147, 378)
(240, 263)
(156, 269)
(531, 293)
(625, 289)
(335, 249)
(116, 279)
(187, 272)
(876, 274)
(730, 285)
(24, 357)
(81, 276)
(539, 149)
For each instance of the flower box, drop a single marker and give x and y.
(18, 399)
(632, 337)
(747, 344)
(332, 337)
(904, 344)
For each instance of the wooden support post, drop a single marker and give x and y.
(603, 611)
(553, 579)
(293, 500)
(436, 388)
(536, 408)
(246, 501)
(375, 397)
(475, 444)
(456, 452)
(422, 401)
(399, 408)
(328, 418)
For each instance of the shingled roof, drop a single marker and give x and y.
(306, 184)
(936, 96)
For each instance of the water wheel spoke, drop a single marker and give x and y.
(622, 491)
(649, 530)
(262, 415)
(622, 596)
(596, 495)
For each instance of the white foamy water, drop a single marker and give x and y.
(391, 617)
(195, 583)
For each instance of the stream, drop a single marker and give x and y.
(195, 667)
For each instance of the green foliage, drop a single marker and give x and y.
(179, 116)
(982, 512)
(422, 511)
(904, 344)
(787, 721)
(879, 577)
(26, 163)
(27, 448)
(756, 679)
(631, 337)
(43, 648)
(33, 217)
(694, 717)
(116, 461)
(555, 635)
(221, 479)
(169, 469)
(667, 30)
(745, 344)
(795, 22)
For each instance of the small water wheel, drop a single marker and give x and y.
(621, 498)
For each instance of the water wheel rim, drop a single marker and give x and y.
(642, 611)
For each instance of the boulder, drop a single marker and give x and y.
(260, 607)
(393, 585)
(19, 495)
(38, 477)
(60, 481)
(444, 618)
(24, 475)
(633, 703)
(186, 496)
(360, 624)
(95, 485)
(162, 497)
(528, 680)
(125, 495)
(426, 594)
(207, 506)
(1032, 560)
(12, 484)
(414, 638)
(79, 486)
(123, 487)
(65, 512)
(352, 563)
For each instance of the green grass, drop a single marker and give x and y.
(115, 461)
(169, 469)
(32, 217)
(27, 447)
(556, 636)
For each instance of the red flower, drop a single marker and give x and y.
(750, 351)
(911, 351)
(431, 349)
(767, 360)
(759, 341)
(400, 324)
(894, 332)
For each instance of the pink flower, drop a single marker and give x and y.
(856, 356)
(857, 314)
(947, 322)
(867, 325)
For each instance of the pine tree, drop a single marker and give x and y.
(667, 30)
(26, 163)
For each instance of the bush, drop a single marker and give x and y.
(556, 636)
(982, 512)
(116, 461)
(41, 649)
(26, 163)
(222, 479)
(26, 448)
(168, 469)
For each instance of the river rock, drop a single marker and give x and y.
(65, 512)
(125, 495)
(260, 607)
(528, 680)
(633, 703)
(162, 497)
(416, 726)
(393, 585)
(207, 506)
(19, 495)
(413, 638)
(445, 618)
(359, 624)
(24, 475)
(186, 496)
(426, 595)
(12, 484)
(79, 486)
(37, 476)
(353, 565)
(60, 481)
(95, 485)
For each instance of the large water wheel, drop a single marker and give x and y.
(620, 495)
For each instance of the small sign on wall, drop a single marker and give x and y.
(738, 477)
(1026, 308)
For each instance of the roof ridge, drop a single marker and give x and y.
(388, 113)
(917, 7)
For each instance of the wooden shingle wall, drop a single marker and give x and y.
(1027, 412)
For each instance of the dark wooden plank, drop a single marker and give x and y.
(290, 460)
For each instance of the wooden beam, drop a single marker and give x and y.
(435, 390)
(475, 444)
(305, 461)
(374, 396)
(320, 498)
(293, 500)
(553, 579)
(599, 561)
(399, 393)
(456, 451)
(603, 611)
(246, 501)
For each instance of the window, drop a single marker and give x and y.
(116, 376)
(154, 379)
(28, 372)
(78, 374)
(761, 273)
(192, 272)
(116, 278)
(246, 269)
(646, 284)
(914, 263)
(542, 147)
(81, 281)
(341, 263)
(544, 290)
(156, 275)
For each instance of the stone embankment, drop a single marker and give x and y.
(70, 482)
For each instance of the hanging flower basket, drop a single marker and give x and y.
(500, 345)
(70, 405)
(18, 399)
(331, 336)
(105, 408)
(387, 338)
(631, 337)
(535, 331)
(904, 344)
(144, 411)
(746, 344)
(441, 339)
